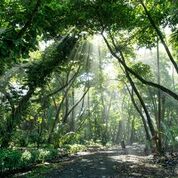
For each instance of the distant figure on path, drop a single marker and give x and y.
(123, 147)
(123, 144)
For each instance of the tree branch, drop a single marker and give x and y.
(155, 85)
(73, 107)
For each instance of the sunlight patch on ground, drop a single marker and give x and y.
(102, 168)
(136, 161)
(129, 158)
(85, 160)
(84, 153)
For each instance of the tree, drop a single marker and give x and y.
(123, 25)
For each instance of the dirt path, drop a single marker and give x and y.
(111, 163)
(89, 165)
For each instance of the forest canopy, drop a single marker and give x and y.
(73, 71)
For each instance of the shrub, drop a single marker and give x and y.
(14, 159)
(9, 159)
(76, 148)
(43, 155)
(20, 158)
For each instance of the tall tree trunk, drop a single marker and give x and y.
(118, 135)
(74, 106)
(56, 120)
(121, 60)
(139, 96)
(148, 137)
(72, 120)
(150, 124)
(104, 111)
(154, 102)
(132, 131)
(159, 116)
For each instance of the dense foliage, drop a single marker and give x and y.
(74, 71)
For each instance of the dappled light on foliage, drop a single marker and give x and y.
(88, 88)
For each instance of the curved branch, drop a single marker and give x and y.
(75, 105)
(155, 85)
(148, 137)
(65, 85)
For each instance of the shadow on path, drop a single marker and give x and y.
(113, 163)
(89, 165)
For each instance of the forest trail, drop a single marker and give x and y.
(111, 163)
